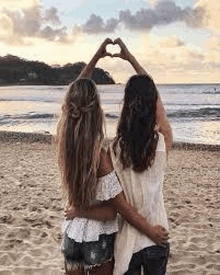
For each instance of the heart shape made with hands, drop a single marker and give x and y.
(113, 49)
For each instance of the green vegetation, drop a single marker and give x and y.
(15, 70)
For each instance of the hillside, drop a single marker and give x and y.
(15, 70)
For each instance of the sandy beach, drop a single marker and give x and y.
(31, 210)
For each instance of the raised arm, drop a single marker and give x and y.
(163, 125)
(101, 53)
(126, 55)
(162, 121)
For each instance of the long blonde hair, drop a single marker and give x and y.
(79, 142)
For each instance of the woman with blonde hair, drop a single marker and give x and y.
(93, 192)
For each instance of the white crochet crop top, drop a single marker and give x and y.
(83, 229)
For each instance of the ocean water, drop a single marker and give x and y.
(193, 109)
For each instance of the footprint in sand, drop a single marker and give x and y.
(5, 260)
(6, 218)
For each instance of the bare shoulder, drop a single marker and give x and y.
(105, 166)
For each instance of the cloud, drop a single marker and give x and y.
(27, 22)
(162, 14)
(168, 59)
(10, 4)
(170, 42)
(195, 55)
(158, 50)
(213, 53)
(213, 43)
(51, 15)
(212, 8)
(95, 24)
(6, 25)
(152, 2)
(54, 35)
(22, 26)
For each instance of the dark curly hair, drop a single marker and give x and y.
(136, 131)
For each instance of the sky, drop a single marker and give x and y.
(176, 41)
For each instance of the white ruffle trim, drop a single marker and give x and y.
(108, 187)
(86, 230)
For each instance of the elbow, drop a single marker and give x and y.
(166, 130)
(111, 217)
(169, 138)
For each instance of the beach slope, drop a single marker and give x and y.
(31, 210)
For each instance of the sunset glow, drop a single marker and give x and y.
(177, 42)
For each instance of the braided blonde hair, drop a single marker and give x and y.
(80, 136)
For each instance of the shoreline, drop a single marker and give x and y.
(9, 136)
(119, 83)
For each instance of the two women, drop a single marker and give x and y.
(93, 191)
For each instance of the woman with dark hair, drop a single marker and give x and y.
(138, 154)
(93, 194)
(136, 133)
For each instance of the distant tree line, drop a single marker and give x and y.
(15, 70)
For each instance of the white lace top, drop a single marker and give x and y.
(82, 229)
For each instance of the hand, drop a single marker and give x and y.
(124, 54)
(159, 235)
(101, 53)
(71, 213)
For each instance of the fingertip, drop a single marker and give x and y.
(116, 41)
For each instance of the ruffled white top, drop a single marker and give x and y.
(87, 230)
